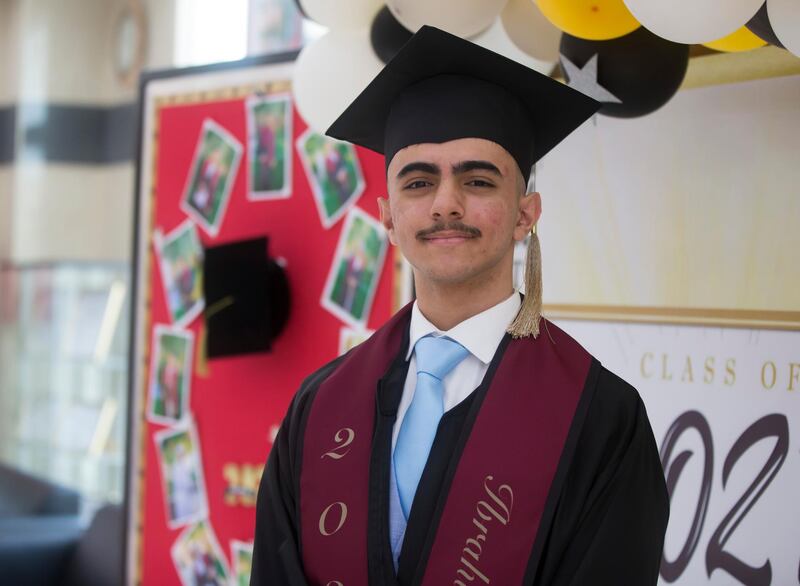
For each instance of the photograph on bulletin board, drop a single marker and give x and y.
(180, 257)
(333, 172)
(238, 202)
(170, 375)
(184, 491)
(198, 557)
(269, 130)
(211, 176)
(356, 268)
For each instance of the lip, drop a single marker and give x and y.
(448, 235)
(447, 238)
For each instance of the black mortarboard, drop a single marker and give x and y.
(440, 87)
(247, 298)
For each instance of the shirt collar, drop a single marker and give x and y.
(480, 334)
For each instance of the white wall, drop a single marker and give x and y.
(73, 212)
(5, 212)
(63, 53)
(8, 42)
(8, 88)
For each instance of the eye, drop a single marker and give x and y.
(417, 184)
(480, 183)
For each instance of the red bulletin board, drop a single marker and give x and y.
(236, 403)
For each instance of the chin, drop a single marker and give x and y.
(454, 266)
(452, 274)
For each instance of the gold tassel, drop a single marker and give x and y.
(527, 321)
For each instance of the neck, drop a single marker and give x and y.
(446, 305)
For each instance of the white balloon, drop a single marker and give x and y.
(693, 21)
(342, 14)
(495, 39)
(529, 30)
(784, 16)
(330, 73)
(464, 18)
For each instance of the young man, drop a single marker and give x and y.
(460, 444)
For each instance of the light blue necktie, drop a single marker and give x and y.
(436, 357)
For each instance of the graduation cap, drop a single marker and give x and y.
(247, 298)
(439, 88)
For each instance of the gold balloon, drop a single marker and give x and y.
(739, 40)
(596, 20)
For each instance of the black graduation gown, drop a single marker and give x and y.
(604, 527)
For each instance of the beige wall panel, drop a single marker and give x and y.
(62, 50)
(8, 51)
(6, 189)
(66, 50)
(161, 33)
(69, 212)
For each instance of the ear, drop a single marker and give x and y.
(386, 218)
(530, 208)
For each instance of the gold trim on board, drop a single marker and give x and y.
(735, 318)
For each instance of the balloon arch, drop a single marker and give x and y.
(636, 49)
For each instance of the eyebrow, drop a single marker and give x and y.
(429, 168)
(458, 168)
(465, 166)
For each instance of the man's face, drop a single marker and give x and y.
(456, 209)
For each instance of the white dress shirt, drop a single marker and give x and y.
(481, 335)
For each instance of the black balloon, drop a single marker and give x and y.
(760, 26)
(643, 70)
(387, 35)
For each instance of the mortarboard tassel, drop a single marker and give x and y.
(527, 321)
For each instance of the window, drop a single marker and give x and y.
(64, 338)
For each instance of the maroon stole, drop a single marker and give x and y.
(497, 497)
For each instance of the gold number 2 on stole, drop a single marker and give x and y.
(344, 437)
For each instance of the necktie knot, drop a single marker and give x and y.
(438, 356)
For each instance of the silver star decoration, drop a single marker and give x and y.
(584, 79)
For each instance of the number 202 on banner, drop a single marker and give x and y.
(773, 426)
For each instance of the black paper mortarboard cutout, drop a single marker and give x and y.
(247, 298)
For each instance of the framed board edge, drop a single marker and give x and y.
(139, 312)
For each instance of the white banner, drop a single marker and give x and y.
(693, 207)
(723, 404)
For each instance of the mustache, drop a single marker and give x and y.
(449, 227)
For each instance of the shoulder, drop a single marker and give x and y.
(615, 412)
(605, 395)
(308, 388)
(612, 393)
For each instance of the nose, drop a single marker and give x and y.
(448, 202)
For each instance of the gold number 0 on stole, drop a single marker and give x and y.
(324, 517)
(343, 438)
